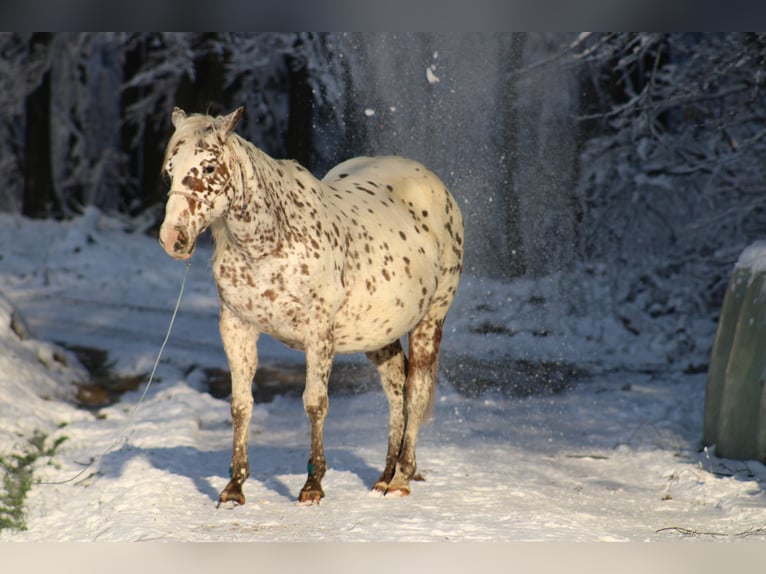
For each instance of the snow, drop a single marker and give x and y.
(612, 457)
(753, 257)
(431, 75)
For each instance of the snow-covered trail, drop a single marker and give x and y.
(614, 458)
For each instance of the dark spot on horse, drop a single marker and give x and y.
(425, 213)
(386, 274)
(403, 236)
(193, 183)
(342, 175)
(300, 183)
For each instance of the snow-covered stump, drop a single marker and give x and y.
(735, 399)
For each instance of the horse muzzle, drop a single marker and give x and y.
(177, 242)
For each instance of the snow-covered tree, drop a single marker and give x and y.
(84, 117)
(672, 173)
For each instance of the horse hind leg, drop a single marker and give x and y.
(392, 368)
(425, 340)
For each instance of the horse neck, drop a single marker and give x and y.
(255, 222)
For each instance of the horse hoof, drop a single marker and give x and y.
(233, 493)
(402, 490)
(310, 496)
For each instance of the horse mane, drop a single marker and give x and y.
(196, 126)
(220, 232)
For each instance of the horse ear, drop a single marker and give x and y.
(178, 116)
(226, 124)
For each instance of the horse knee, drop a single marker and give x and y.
(316, 406)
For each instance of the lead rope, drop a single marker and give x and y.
(125, 435)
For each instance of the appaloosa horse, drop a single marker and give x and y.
(347, 264)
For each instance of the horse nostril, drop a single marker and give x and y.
(181, 241)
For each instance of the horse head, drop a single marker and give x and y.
(198, 164)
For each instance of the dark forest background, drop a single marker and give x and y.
(639, 156)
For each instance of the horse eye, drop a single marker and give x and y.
(208, 169)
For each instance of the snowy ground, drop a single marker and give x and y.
(614, 457)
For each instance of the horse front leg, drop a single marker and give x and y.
(240, 344)
(319, 355)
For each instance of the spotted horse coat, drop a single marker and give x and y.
(351, 263)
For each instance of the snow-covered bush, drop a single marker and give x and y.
(672, 178)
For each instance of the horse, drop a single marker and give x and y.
(351, 263)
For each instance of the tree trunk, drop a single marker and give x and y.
(39, 198)
(204, 94)
(143, 185)
(509, 93)
(298, 140)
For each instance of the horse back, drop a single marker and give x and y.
(417, 189)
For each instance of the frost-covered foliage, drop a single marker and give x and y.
(659, 179)
(85, 111)
(83, 72)
(258, 71)
(672, 172)
(165, 59)
(109, 97)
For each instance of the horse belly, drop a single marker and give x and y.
(380, 308)
(371, 326)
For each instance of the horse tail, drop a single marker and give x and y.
(428, 413)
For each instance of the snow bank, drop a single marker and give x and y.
(35, 381)
(613, 456)
(753, 257)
